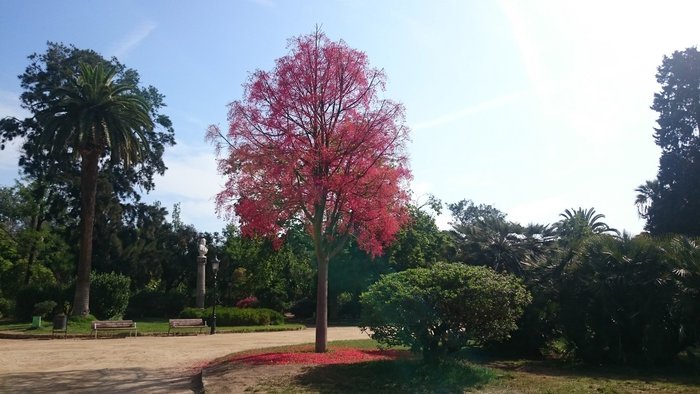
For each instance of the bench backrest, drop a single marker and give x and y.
(186, 322)
(112, 324)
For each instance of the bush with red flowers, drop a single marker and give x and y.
(248, 302)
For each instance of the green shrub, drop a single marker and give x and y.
(6, 307)
(437, 310)
(44, 308)
(227, 316)
(109, 295)
(29, 296)
(153, 303)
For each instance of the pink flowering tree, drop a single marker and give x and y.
(313, 141)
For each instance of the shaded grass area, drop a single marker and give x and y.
(399, 376)
(145, 326)
(560, 376)
(475, 371)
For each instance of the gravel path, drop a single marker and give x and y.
(140, 364)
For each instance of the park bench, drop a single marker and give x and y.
(186, 323)
(105, 325)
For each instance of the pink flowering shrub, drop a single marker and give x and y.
(248, 302)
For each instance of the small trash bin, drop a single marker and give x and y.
(36, 321)
(59, 322)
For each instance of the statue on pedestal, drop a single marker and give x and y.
(203, 247)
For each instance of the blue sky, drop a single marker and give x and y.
(531, 106)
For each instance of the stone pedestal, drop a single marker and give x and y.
(201, 277)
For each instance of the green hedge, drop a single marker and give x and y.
(227, 316)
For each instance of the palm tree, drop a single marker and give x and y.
(580, 223)
(93, 116)
(502, 245)
(647, 193)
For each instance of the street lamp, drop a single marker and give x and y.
(215, 269)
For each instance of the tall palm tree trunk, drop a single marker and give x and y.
(88, 191)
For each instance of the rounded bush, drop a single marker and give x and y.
(437, 310)
(109, 295)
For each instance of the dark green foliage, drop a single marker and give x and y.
(226, 316)
(671, 203)
(396, 376)
(466, 213)
(44, 308)
(109, 295)
(154, 303)
(253, 267)
(29, 296)
(622, 299)
(6, 307)
(419, 244)
(304, 308)
(579, 224)
(482, 236)
(32, 248)
(351, 272)
(437, 310)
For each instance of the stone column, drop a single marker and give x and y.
(201, 271)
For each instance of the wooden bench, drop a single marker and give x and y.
(186, 323)
(100, 325)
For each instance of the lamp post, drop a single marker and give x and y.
(215, 269)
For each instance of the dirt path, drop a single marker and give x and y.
(141, 364)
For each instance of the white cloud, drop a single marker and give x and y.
(193, 181)
(133, 39)
(191, 174)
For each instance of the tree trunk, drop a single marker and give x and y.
(36, 225)
(322, 305)
(88, 190)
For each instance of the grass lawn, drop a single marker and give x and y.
(467, 372)
(145, 326)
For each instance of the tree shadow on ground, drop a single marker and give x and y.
(396, 376)
(117, 380)
(682, 372)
